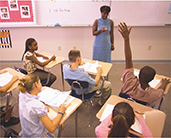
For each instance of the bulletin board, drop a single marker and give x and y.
(17, 12)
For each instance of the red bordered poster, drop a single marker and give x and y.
(17, 12)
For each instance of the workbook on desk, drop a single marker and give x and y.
(90, 67)
(41, 59)
(5, 78)
(152, 83)
(54, 97)
(108, 110)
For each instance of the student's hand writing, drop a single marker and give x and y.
(82, 63)
(165, 81)
(103, 29)
(53, 57)
(99, 69)
(138, 114)
(47, 108)
(124, 30)
(62, 108)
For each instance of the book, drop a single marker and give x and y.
(54, 97)
(90, 67)
(108, 110)
(5, 78)
(152, 83)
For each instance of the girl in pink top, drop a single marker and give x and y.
(119, 122)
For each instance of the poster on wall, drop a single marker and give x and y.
(17, 12)
(5, 39)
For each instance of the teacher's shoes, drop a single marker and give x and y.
(11, 121)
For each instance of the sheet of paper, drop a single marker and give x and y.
(108, 110)
(53, 97)
(152, 83)
(5, 78)
(89, 67)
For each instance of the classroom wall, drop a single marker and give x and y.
(49, 38)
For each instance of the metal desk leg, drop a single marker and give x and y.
(76, 122)
(48, 77)
(103, 79)
(62, 77)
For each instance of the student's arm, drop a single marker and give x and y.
(41, 55)
(99, 72)
(34, 59)
(3, 71)
(7, 86)
(125, 34)
(164, 83)
(95, 32)
(112, 35)
(51, 125)
(145, 130)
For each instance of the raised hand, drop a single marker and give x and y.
(123, 29)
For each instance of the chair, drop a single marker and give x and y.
(126, 96)
(161, 101)
(84, 97)
(4, 109)
(43, 82)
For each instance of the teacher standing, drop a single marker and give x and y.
(104, 40)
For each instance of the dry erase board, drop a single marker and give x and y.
(140, 13)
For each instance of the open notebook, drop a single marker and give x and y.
(108, 110)
(152, 83)
(5, 78)
(89, 67)
(55, 98)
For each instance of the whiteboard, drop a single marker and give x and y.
(68, 12)
(138, 13)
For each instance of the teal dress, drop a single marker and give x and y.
(102, 43)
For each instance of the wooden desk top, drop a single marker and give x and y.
(73, 105)
(105, 66)
(155, 119)
(55, 62)
(159, 77)
(14, 72)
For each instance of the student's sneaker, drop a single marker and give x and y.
(11, 121)
(98, 94)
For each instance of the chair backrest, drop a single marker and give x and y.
(126, 96)
(21, 70)
(76, 83)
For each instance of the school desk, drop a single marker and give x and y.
(105, 67)
(55, 62)
(14, 72)
(155, 119)
(73, 105)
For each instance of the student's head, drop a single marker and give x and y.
(123, 117)
(74, 56)
(104, 11)
(146, 74)
(30, 45)
(29, 82)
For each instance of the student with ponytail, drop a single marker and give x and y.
(33, 113)
(119, 122)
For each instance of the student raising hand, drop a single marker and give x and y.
(123, 29)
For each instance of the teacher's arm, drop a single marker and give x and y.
(112, 36)
(95, 31)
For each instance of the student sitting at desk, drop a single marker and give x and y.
(8, 121)
(73, 72)
(30, 60)
(139, 89)
(33, 113)
(119, 122)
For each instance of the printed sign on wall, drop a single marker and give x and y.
(5, 39)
